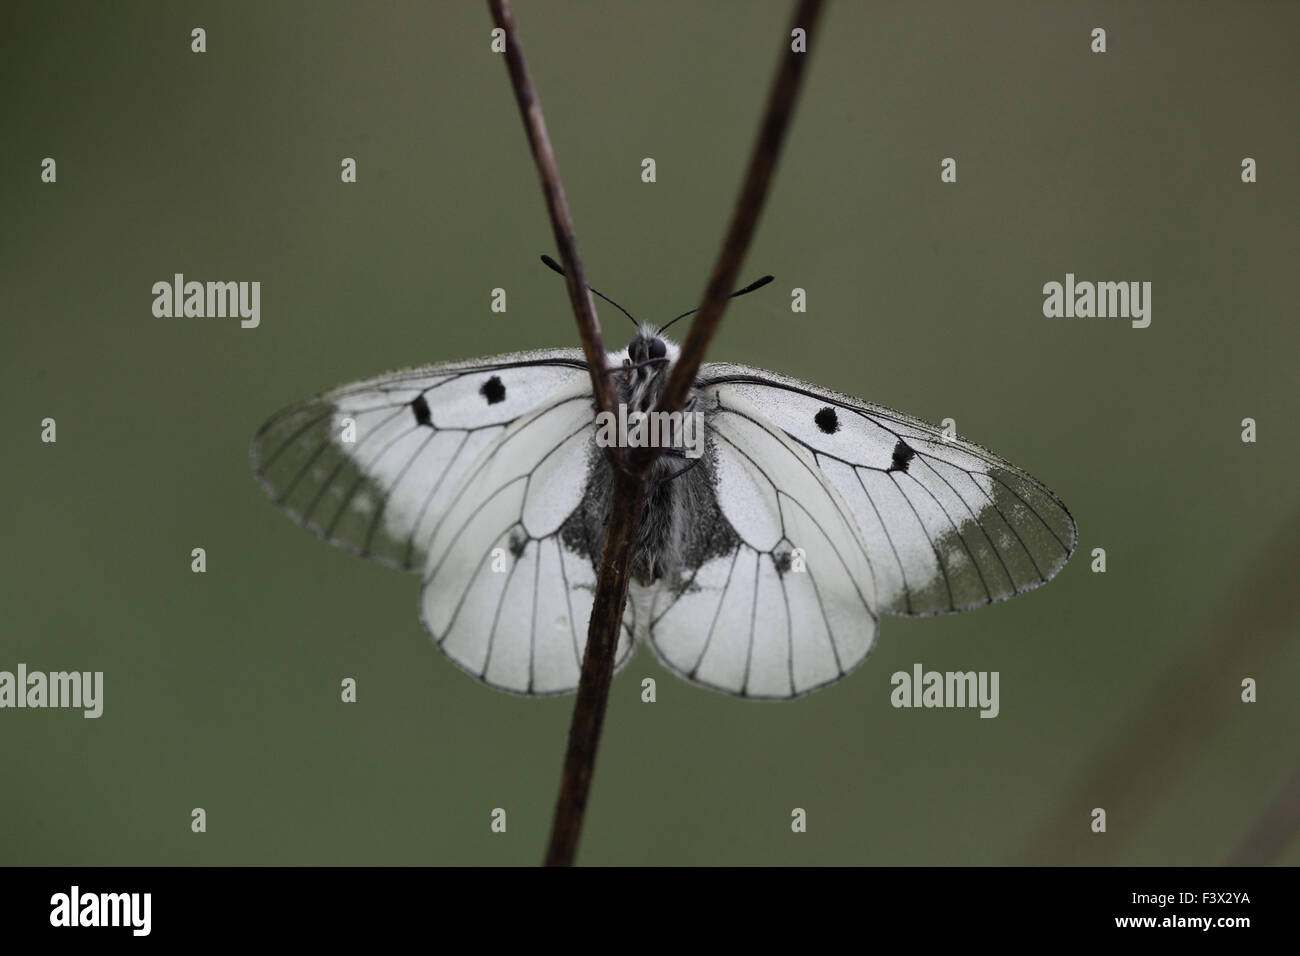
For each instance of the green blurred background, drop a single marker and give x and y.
(1118, 690)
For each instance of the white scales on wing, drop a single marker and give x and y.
(949, 525)
(766, 563)
(371, 466)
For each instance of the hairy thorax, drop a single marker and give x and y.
(681, 524)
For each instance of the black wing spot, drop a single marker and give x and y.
(782, 560)
(518, 543)
(903, 455)
(827, 420)
(421, 409)
(493, 391)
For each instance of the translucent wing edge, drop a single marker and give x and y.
(564, 357)
(723, 373)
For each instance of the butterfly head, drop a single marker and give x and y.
(649, 350)
(649, 356)
(651, 353)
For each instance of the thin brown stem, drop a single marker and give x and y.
(539, 141)
(626, 505)
(749, 205)
(629, 490)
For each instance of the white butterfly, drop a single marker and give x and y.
(762, 567)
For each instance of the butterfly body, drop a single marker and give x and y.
(680, 523)
(761, 568)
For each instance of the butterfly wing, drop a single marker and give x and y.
(370, 466)
(510, 577)
(948, 524)
(759, 618)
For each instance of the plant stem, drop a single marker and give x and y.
(539, 141)
(749, 204)
(629, 491)
(626, 505)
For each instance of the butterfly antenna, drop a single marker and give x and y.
(551, 263)
(756, 284)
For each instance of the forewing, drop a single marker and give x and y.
(948, 524)
(508, 584)
(789, 605)
(370, 466)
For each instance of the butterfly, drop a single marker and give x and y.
(762, 566)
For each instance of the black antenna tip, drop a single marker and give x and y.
(552, 264)
(757, 284)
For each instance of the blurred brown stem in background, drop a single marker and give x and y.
(1275, 828)
(630, 472)
(1193, 697)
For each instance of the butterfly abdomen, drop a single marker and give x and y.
(681, 524)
